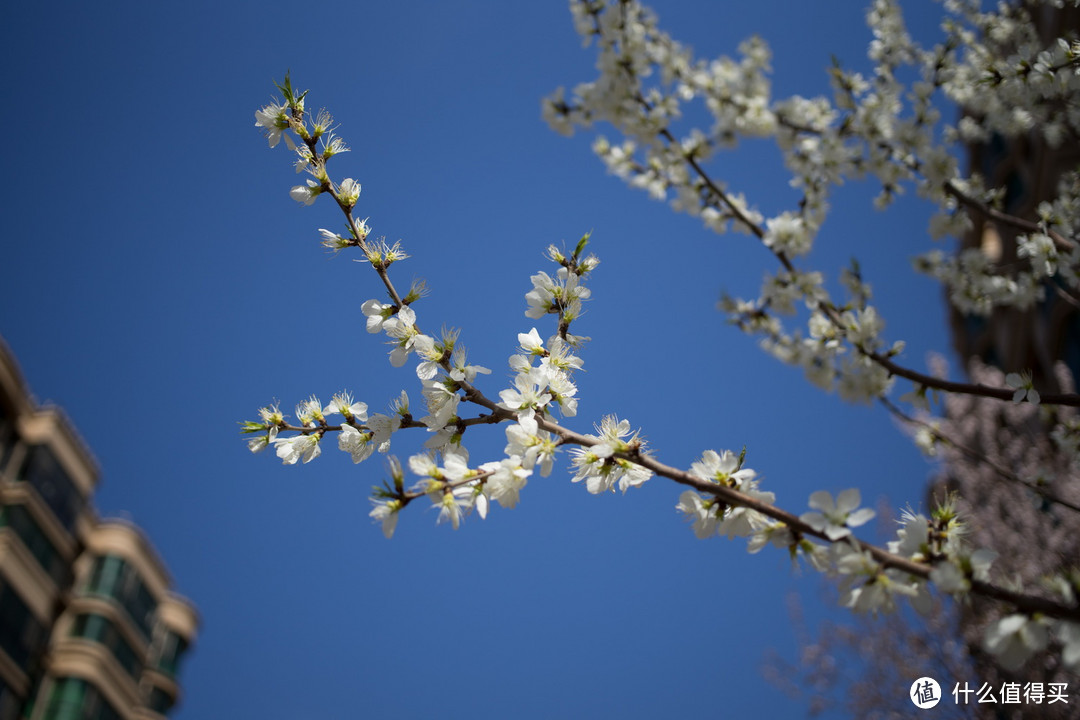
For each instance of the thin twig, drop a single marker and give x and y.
(979, 457)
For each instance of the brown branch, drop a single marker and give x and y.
(728, 495)
(979, 457)
(1025, 603)
(1067, 399)
(1072, 400)
(1060, 241)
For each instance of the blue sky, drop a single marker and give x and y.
(160, 285)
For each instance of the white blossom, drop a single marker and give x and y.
(348, 192)
(599, 466)
(508, 477)
(788, 234)
(1069, 634)
(274, 121)
(532, 445)
(1025, 389)
(306, 194)
(461, 371)
(386, 512)
(298, 447)
(377, 314)
(343, 403)
(867, 586)
(835, 519)
(359, 445)
(382, 427)
(1015, 638)
(701, 512)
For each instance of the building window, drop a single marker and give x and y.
(102, 630)
(160, 701)
(172, 649)
(43, 471)
(106, 576)
(76, 699)
(115, 578)
(9, 703)
(7, 440)
(22, 523)
(20, 633)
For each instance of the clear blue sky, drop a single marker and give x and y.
(160, 285)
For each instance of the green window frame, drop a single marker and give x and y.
(172, 650)
(76, 699)
(98, 628)
(114, 577)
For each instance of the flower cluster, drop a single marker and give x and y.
(709, 515)
(1014, 83)
(359, 435)
(608, 461)
(870, 127)
(542, 381)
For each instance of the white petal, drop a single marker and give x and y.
(848, 500)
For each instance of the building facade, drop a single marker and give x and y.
(89, 626)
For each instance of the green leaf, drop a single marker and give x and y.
(581, 244)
